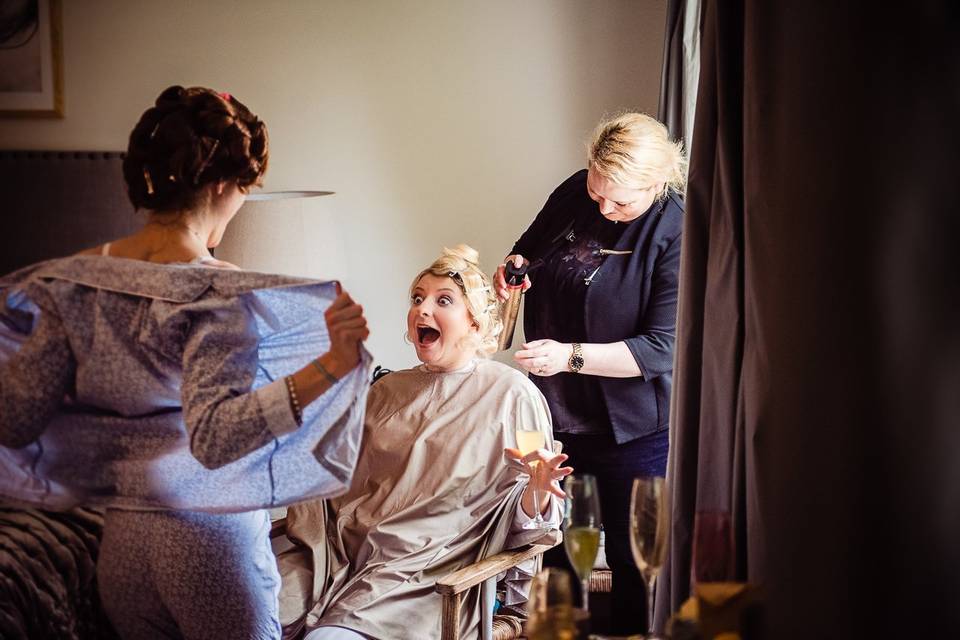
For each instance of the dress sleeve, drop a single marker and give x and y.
(37, 377)
(225, 418)
(653, 347)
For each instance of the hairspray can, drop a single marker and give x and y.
(514, 276)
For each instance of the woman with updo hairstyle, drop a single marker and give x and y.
(151, 379)
(439, 484)
(600, 320)
(191, 138)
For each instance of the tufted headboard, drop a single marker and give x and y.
(54, 203)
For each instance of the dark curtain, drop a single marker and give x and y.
(817, 382)
(670, 111)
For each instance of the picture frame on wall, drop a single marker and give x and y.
(31, 59)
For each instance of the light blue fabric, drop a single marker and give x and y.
(195, 576)
(109, 345)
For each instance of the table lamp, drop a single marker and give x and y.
(287, 232)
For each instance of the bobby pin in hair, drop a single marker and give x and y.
(146, 178)
(206, 162)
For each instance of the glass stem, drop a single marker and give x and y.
(536, 506)
(585, 589)
(651, 584)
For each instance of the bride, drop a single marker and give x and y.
(439, 484)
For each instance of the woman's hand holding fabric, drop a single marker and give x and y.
(347, 328)
(500, 280)
(544, 357)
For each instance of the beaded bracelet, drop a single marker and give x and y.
(332, 379)
(294, 400)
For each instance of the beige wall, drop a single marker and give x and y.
(436, 122)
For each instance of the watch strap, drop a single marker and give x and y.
(576, 358)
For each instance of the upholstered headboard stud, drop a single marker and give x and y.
(55, 203)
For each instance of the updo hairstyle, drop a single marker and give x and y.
(187, 140)
(635, 151)
(461, 264)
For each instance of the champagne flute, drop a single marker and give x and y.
(529, 439)
(581, 535)
(649, 528)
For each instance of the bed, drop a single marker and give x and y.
(47, 575)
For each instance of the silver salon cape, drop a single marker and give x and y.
(433, 493)
(99, 356)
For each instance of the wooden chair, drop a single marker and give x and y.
(452, 586)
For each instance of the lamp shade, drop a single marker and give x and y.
(287, 232)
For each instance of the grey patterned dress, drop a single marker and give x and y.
(152, 388)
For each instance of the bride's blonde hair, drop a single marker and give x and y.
(461, 264)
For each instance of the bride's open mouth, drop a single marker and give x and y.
(426, 336)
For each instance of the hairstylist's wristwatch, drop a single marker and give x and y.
(576, 358)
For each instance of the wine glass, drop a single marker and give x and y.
(712, 547)
(649, 528)
(529, 439)
(581, 534)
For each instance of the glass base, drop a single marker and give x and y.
(536, 524)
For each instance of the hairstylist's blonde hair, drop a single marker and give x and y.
(635, 151)
(460, 264)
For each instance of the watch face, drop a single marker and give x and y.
(576, 362)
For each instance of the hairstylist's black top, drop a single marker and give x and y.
(630, 298)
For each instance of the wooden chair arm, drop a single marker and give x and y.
(278, 528)
(461, 580)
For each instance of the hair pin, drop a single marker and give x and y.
(206, 162)
(146, 178)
